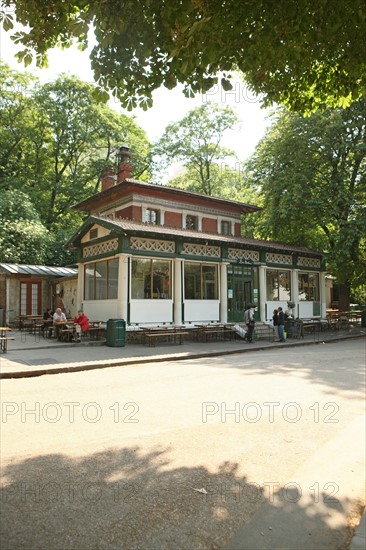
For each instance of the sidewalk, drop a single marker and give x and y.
(30, 355)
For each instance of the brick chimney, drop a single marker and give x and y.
(108, 178)
(124, 164)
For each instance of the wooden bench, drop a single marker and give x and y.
(218, 333)
(95, 331)
(4, 342)
(152, 337)
(263, 332)
(66, 334)
(206, 333)
(311, 327)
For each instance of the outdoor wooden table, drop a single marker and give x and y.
(31, 322)
(337, 320)
(64, 330)
(353, 316)
(37, 323)
(170, 333)
(312, 325)
(206, 333)
(4, 338)
(28, 321)
(96, 328)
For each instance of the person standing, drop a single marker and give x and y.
(275, 325)
(281, 324)
(250, 322)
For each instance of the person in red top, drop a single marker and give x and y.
(82, 320)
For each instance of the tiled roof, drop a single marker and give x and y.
(133, 226)
(86, 203)
(23, 269)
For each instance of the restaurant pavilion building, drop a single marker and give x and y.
(149, 254)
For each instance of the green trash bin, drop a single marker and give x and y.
(363, 318)
(116, 333)
(289, 327)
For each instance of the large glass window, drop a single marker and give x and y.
(200, 281)
(101, 280)
(101, 277)
(278, 284)
(309, 287)
(30, 298)
(150, 279)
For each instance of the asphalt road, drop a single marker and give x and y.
(262, 450)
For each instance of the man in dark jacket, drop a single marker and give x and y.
(249, 321)
(281, 324)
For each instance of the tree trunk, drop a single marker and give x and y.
(344, 296)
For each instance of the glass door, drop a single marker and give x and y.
(239, 289)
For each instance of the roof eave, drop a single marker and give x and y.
(86, 204)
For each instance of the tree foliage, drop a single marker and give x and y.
(312, 174)
(195, 140)
(23, 238)
(55, 140)
(302, 53)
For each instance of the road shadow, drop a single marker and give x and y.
(124, 498)
(333, 365)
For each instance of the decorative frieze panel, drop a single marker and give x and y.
(248, 255)
(151, 245)
(278, 258)
(201, 250)
(308, 262)
(100, 248)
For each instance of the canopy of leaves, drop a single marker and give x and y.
(23, 238)
(55, 141)
(302, 53)
(312, 174)
(195, 141)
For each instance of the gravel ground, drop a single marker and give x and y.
(127, 467)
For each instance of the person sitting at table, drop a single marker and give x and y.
(82, 320)
(48, 316)
(58, 317)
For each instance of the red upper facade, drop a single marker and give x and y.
(163, 205)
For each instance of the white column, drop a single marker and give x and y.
(143, 213)
(223, 292)
(122, 291)
(177, 292)
(295, 291)
(80, 287)
(262, 292)
(7, 305)
(323, 295)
